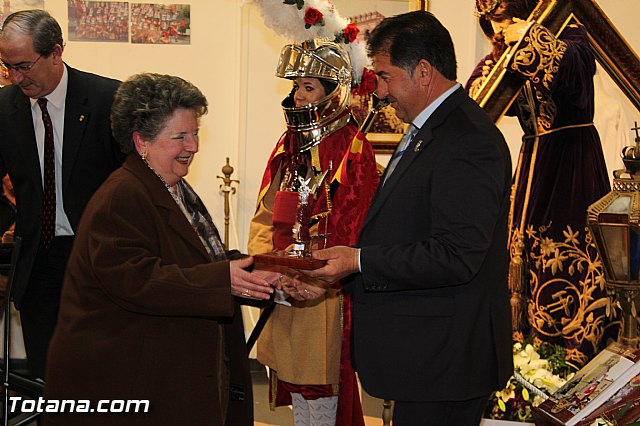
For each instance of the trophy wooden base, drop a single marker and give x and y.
(281, 258)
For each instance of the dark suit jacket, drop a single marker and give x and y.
(146, 314)
(431, 314)
(89, 155)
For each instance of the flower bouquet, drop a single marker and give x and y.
(539, 370)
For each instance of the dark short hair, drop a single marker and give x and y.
(328, 86)
(413, 36)
(38, 24)
(144, 102)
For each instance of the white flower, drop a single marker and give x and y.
(537, 400)
(535, 370)
(601, 422)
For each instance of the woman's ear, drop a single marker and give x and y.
(140, 144)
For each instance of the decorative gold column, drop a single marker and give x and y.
(227, 190)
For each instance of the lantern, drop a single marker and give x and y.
(614, 221)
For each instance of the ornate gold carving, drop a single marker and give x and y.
(600, 205)
(626, 186)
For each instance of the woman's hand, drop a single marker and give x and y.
(301, 287)
(251, 285)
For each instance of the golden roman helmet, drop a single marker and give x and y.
(323, 59)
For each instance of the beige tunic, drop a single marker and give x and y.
(302, 342)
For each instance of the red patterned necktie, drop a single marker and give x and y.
(49, 189)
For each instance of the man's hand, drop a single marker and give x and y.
(515, 31)
(487, 67)
(341, 261)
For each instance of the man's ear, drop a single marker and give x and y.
(56, 54)
(424, 71)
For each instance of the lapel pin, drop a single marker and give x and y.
(418, 146)
(81, 118)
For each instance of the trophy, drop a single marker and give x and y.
(301, 234)
(299, 256)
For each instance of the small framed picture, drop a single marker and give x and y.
(387, 129)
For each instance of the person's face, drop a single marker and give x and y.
(172, 151)
(403, 91)
(43, 77)
(307, 91)
(499, 21)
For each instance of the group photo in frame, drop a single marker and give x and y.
(98, 21)
(387, 129)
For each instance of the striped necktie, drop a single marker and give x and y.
(402, 147)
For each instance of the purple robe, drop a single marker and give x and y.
(561, 171)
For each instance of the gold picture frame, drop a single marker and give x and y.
(387, 129)
(421, 4)
(610, 48)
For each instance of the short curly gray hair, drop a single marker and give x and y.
(145, 101)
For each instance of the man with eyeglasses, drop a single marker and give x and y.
(56, 146)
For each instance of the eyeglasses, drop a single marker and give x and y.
(22, 68)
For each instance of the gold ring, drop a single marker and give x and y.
(306, 291)
(280, 279)
(246, 292)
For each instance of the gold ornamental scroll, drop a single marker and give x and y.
(611, 50)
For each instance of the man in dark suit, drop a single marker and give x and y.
(431, 314)
(74, 123)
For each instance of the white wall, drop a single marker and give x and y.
(232, 58)
(212, 62)
(615, 115)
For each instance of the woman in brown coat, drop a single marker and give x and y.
(148, 311)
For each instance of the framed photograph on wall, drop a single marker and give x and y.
(98, 21)
(387, 129)
(10, 6)
(160, 23)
